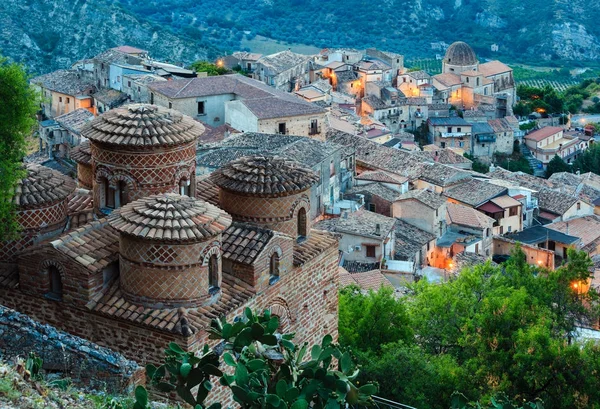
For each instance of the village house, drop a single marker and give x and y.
(423, 209)
(284, 70)
(242, 103)
(468, 231)
(394, 60)
(58, 136)
(377, 197)
(557, 206)
(102, 280)
(389, 180)
(136, 86)
(506, 211)
(448, 156)
(527, 197)
(504, 135)
(549, 141)
(365, 237)
(246, 61)
(587, 228)
(333, 162)
(543, 238)
(109, 66)
(414, 248)
(63, 91)
(411, 82)
(368, 280)
(484, 141)
(585, 186)
(451, 132)
(107, 99)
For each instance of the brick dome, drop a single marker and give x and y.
(141, 150)
(461, 54)
(42, 186)
(170, 250)
(269, 191)
(142, 125)
(264, 176)
(171, 217)
(41, 200)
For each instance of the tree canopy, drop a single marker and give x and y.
(17, 118)
(556, 165)
(208, 67)
(492, 330)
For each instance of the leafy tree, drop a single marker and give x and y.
(208, 67)
(369, 321)
(588, 161)
(556, 165)
(522, 109)
(493, 332)
(478, 166)
(17, 118)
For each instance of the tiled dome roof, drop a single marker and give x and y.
(266, 176)
(460, 53)
(170, 217)
(42, 186)
(142, 125)
(82, 154)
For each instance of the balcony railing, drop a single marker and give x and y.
(454, 134)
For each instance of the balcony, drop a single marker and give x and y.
(486, 138)
(455, 134)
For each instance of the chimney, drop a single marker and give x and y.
(378, 229)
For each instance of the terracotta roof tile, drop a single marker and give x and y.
(361, 223)
(242, 243)
(170, 217)
(467, 216)
(425, 196)
(82, 154)
(207, 190)
(142, 125)
(381, 176)
(265, 176)
(543, 133)
(79, 201)
(75, 120)
(42, 186)
(94, 245)
(316, 243)
(587, 228)
(474, 192)
(186, 322)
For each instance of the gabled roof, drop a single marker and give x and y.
(360, 223)
(409, 240)
(543, 133)
(541, 234)
(368, 280)
(555, 202)
(67, 82)
(467, 216)
(111, 97)
(505, 201)
(425, 196)
(449, 121)
(94, 245)
(243, 243)
(493, 67)
(587, 228)
(375, 189)
(75, 120)
(381, 176)
(448, 79)
(283, 61)
(474, 192)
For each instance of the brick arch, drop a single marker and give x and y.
(183, 174)
(302, 201)
(280, 308)
(45, 273)
(214, 248)
(120, 176)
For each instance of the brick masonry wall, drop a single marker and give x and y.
(85, 363)
(276, 213)
(171, 274)
(85, 176)
(305, 299)
(144, 171)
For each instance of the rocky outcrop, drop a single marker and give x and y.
(84, 362)
(50, 34)
(572, 41)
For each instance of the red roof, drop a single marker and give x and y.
(518, 197)
(544, 133)
(548, 215)
(490, 207)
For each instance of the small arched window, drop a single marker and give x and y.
(109, 194)
(213, 274)
(274, 268)
(56, 288)
(184, 187)
(301, 223)
(122, 191)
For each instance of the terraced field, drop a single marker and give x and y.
(558, 85)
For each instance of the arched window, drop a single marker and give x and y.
(56, 287)
(122, 190)
(301, 223)
(184, 187)
(213, 274)
(109, 194)
(274, 268)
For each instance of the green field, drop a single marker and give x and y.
(429, 65)
(558, 85)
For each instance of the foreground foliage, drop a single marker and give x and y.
(17, 119)
(264, 369)
(491, 330)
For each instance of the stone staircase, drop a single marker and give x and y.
(534, 163)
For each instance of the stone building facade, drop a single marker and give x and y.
(158, 269)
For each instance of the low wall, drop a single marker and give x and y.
(86, 363)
